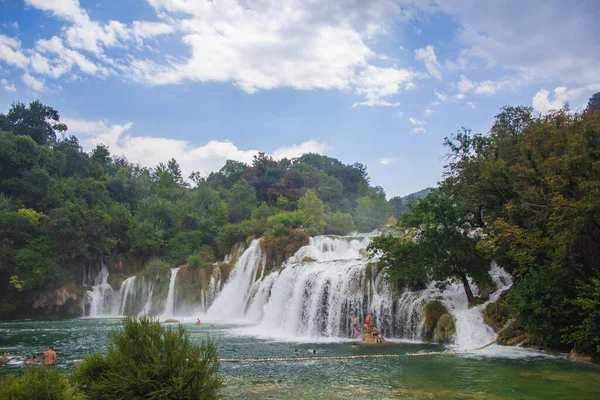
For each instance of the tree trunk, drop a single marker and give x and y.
(465, 281)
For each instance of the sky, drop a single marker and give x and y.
(380, 82)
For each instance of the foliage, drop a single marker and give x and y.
(157, 266)
(149, 361)
(444, 247)
(38, 383)
(339, 223)
(313, 211)
(372, 211)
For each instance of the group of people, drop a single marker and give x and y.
(368, 327)
(49, 358)
(308, 350)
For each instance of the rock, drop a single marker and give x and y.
(574, 355)
(171, 320)
(433, 312)
(64, 301)
(308, 259)
(445, 328)
(368, 338)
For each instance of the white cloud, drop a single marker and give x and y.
(427, 55)
(7, 86)
(10, 52)
(542, 103)
(554, 41)
(377, 83)
(149, 151)
(464, 85)
(416, 122)
(471, 105)
(295, 151)
(440, 96)
(145, 29)
(428, 112)
(387, 161)
(459, 96)
(37, 84)
(418, 130)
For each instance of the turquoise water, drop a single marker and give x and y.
(495, 373)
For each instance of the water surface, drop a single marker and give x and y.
(495, 373)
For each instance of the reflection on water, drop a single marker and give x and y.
(497, 373)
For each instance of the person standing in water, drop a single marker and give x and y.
(50, 357)
(355, 326)
(33, 359)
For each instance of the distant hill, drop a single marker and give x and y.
(400, 205)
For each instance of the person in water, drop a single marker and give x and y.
(4, 359)
(297, 351)
(50, 357)
(198, 323)
(355, 326)
(375, 335)
(33, 359)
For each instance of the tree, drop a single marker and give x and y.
(39, 121)
(594, 103)
(339, 223)
(444, 247)
(314, 212)
(151, 361)
(372, 211)
(241, 200)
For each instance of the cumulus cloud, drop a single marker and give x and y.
(543, 103)
(432, 65)
(149, 151)
(419, 126)
(416, 122)
(376, 84)
(37, 84)
(387, 161)
(418, 130)
(10, 52)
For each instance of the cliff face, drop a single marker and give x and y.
(64, 301)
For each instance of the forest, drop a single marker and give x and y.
(527, 196)
(62, 209)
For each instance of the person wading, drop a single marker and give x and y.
(50, 356)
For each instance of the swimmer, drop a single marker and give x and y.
(33, 359)
(198, 323)
(4, 359)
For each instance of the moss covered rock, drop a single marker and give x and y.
(445, 328)
(368, 338)
(281, 247)
(433, 311)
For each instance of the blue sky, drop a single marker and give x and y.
(381, 82)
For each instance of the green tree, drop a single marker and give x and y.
(241, 200)
(339, 223)
(314, 212)
(445, 249)
(372, 211)
(147, 360)
(37, 120)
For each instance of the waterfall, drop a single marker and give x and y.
(318, 291)
(170, 304)
(125, 293)
(148, 304)
(231, 301)
(102, 300)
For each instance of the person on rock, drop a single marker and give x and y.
(375, 335)
(368, 324)
(50, 357)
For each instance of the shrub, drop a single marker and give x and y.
(38, 383)
(149, 361)
(194, 261)
(157, 265)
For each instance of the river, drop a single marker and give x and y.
(496, 372)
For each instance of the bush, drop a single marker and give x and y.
(149, 361)
(38, 382)
(194, 261)
(157, 265)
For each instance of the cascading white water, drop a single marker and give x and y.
(231, 302)
(148, 304)
(170, 303)
(318, 291)
(125, 293)
(102, 300)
